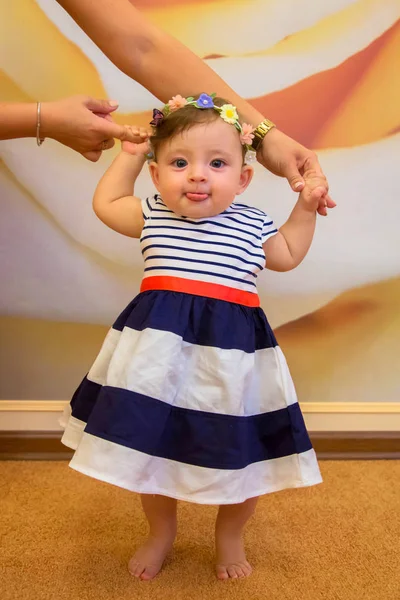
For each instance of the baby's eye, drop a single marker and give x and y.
(217, 163)
(180, 163)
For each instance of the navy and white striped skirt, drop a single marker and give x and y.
(190, 397)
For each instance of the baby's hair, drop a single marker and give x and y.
(183, 119)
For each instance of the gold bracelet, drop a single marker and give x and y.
(260, 132)
(39, 140)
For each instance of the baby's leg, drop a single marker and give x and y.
(231, 557)
(160, 512)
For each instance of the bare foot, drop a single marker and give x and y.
(149, 559)
(231, 557)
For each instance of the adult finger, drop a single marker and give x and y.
(106, 144)
(292, 174)
(92, 155)
(101, 106)
(312, 168)
(121, 132)
(105, 116)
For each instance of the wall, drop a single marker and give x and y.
(328, 75)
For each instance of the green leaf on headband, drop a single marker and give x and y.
(190, 99)
(213, 95)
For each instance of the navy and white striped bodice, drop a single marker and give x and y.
(225, 249)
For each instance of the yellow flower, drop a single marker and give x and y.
(229, 114)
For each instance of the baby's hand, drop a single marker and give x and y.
(314, 196)
(136, 140)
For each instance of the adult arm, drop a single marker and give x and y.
(166, 67)
(79, 122)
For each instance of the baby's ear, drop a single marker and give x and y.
(245, 177)
(154, 174)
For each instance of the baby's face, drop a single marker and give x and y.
(200, 171)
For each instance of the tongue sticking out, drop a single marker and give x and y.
(196, 197)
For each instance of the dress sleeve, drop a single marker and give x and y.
(148, 205)
(268, 229)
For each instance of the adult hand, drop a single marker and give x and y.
(83, 124)
(285, 157)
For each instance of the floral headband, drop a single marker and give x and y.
(227, 112)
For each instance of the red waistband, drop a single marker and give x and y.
(200, 288)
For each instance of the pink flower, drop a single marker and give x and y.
(176, 102)
(246, 137)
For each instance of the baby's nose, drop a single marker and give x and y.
(197, 173)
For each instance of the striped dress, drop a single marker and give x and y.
(190, 396)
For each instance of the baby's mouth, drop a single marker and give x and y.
(196, 196)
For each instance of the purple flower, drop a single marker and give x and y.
(205, 101)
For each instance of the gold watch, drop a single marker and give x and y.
(260, 132)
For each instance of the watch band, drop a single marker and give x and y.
(260, 132)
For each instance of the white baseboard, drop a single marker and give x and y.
(43, 415)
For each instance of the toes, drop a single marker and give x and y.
(246, 568)
(239, 571)
(132, 564)
(149, 573)
(222, 573)
(139, 571)
(232, 571)
(143, 572)
(135, 568)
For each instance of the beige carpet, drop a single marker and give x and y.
(66, 536)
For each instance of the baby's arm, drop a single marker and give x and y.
(113, 201)
(285, 250)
